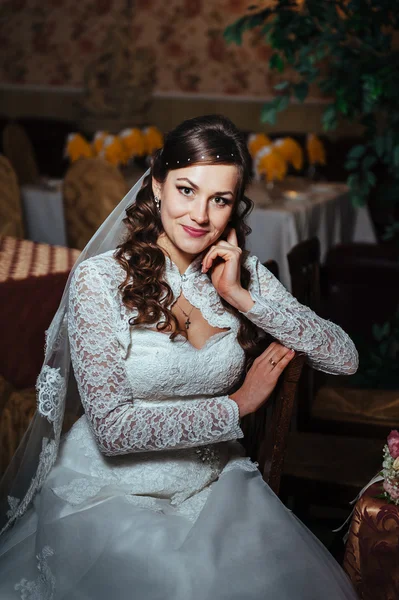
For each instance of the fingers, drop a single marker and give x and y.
(284, 360)
(222, 249)
(276, 352)
(232, 237)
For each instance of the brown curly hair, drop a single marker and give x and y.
(212, 139)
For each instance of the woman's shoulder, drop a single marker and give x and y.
(104, 265)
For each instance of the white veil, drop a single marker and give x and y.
(58, 401)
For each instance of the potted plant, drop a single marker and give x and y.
(346, 48)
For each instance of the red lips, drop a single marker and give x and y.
(194, 232)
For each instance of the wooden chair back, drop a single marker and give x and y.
(304, 266)
(11, 216)
(91, 190)
(19, 150)
(266, 431)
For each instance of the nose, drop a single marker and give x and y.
(199, 212)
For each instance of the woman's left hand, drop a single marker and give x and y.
(226, 272)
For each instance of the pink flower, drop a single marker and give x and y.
(393, 443)
(391, 490)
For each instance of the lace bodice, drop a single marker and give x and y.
(141, 391)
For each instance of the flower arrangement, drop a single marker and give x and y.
(271, 164)
(291, 151)
(390, 468)
(257, 141)
(133, 143)
(315, 150)
(76, 147)
(153, 139)
(116, 149)
(98, 142)
(113, 151)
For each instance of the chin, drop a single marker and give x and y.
(192, 246)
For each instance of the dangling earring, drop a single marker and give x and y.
(157, 202)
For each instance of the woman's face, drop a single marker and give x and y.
(196, 204)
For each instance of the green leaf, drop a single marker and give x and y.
(301, 90)
(270, 109)
(357, 151)
(283, 85)
(371, 178)
(329, 118)
(368, 162)
(358, 201)
(351, 165)
(276, 62)
(353, 180)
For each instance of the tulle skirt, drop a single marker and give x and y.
(243, 544)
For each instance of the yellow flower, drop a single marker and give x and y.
(291, 151)
(270, 163)
(133, 142)
(315, 149)
(256, 141)
(98, 141)
(112, 150)
(76, 147)
(395, 465)
(153, 139)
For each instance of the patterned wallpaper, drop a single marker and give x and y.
(49, 42)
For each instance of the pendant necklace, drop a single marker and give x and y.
(187, 322)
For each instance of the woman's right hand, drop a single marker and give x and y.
(262, 378)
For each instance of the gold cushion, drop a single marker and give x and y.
(378, 407)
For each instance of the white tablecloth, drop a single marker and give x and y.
(44, 214)
(279, 221)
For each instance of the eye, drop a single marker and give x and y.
(220, 201)
(186, 191)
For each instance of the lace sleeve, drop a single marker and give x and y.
(276, 311)
(119, 426)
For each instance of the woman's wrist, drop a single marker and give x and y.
(235, 398)
(241, 300)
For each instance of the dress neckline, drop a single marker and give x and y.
(193, 269)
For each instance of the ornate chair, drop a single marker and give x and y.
(11, 218)
(19, 150)
(91, 190)
(266, 430)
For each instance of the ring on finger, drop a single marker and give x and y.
(272, 362)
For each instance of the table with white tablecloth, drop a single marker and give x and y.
(293, 211)
(44, 213)
(297, 210)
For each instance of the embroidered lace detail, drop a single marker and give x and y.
(78, 490)
(50, 388)
(119, 426)
(47, 458)
(13, 504)
(276, 311)
(43, 587)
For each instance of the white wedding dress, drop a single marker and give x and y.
(151, 497)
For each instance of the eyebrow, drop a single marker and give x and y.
(197, 188)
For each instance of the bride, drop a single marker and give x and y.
(148, 496)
